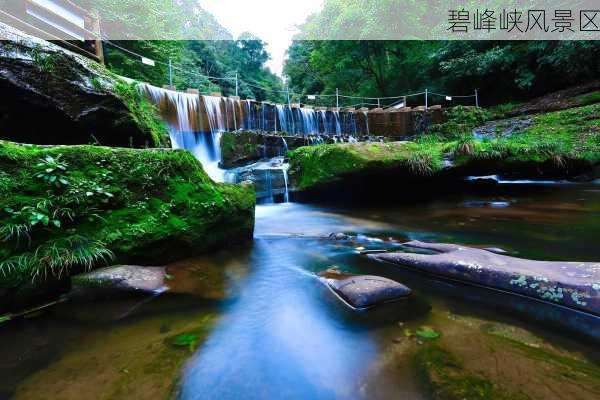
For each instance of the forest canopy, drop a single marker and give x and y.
(192, 60)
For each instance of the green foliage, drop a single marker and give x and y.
(501, 70)
(52, 171)
(427, 333)
(130, 204)
(45, 62)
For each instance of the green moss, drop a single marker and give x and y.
(590, 98)
(567, 366)
(448, 380)
(460, 120)
(142, 112)
(227, 145)
(554, 142)
(240, 147)
(143, 206)
(316, 165)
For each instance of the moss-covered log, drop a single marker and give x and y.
(66, 208)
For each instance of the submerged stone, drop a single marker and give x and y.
(367, 291)
(124, 277)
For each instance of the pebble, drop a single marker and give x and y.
(398, 340)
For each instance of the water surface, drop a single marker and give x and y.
(269, 329)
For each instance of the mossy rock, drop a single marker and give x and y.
(72, 99)
(315, 166)
(145, 207)
(557, 145)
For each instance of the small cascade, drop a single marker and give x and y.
(336, 121)
(286, 195)
(218, 124)
(367, 122)
(182, 112)
(309, 121)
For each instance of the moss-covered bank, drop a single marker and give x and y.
(65, 208)
(558, 144)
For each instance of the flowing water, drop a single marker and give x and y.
(268, 329)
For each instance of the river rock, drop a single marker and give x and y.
(367, 291)
(571, 284)
(130, 278)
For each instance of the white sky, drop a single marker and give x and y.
(274, 21)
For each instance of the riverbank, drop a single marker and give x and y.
(555, 145)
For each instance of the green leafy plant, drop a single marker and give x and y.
(45, 62)
(52, 170)
(427, 333)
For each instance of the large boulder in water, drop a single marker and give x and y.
(366, 291)
(54, 96)
(571, 284)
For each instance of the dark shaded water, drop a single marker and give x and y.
(276, 332)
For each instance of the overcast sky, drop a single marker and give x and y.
(273, 21)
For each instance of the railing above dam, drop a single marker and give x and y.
(192, 112)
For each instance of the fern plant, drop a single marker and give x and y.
(57, 257)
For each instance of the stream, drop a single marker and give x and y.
(268, 329)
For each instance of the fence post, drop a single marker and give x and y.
(378, 103)
(170, 73)
(476, 99)
(337, 98)
(405, 104)
(287, 90)
(236, 84)
(426, 98)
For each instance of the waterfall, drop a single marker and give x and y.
(336, 120)
(322, 114)
(218, 125)
(309, 121)
(190, 128)
(366, 122)
(286, 194)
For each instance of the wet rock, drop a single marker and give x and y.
(339, 236)
(366, 252)
(130, 278)
(66, 92)
(496, 250)
(571, 284)
(367, 291)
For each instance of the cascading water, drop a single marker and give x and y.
(217, 123)
(182, 114)
(309, 121)
(336, 120)
(196, 123)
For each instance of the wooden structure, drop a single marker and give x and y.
(60, 21)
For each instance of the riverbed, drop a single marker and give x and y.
(255, 322)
